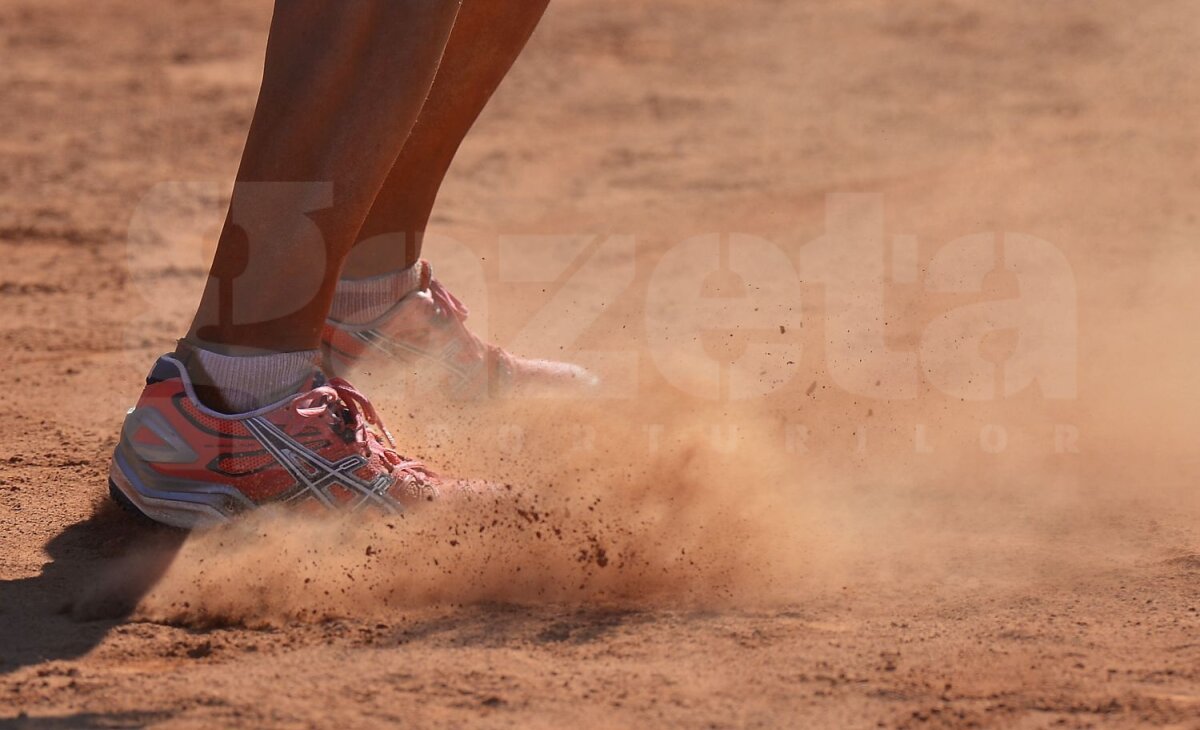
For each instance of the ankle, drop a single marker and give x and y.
(234, 381)
(362, 300)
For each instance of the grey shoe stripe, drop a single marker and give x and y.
(315, 475)
(172, 450)
(397, 349)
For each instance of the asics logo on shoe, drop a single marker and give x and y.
(448, 359)
(316, 477)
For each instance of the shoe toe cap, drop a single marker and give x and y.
(553, 374)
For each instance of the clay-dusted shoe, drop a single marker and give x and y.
(322, 449)
(425, 334)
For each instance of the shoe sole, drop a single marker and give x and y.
(131, 509)
(185, 510)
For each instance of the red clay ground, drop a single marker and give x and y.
(945, 586)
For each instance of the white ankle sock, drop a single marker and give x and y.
(249, 382)
(359, 301)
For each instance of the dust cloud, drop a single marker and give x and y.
(593, 517)
(667, 501)
(685, 505)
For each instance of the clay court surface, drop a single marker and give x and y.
(897, 566)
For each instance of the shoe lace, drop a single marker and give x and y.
(344, 401)
(453, 306)
(447, 302)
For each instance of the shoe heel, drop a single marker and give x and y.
(182, 510)
(119, 489)
(127, 505)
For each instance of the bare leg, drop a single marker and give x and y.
(487, 38)
(342, 86)
(383, 298)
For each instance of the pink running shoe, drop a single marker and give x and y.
(321, 450)
(426, 334)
